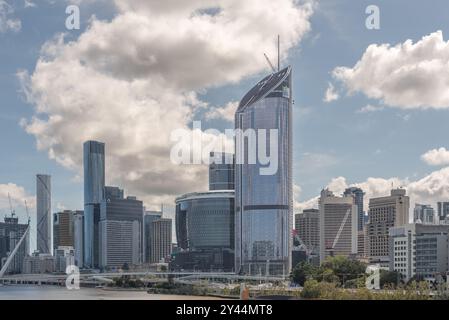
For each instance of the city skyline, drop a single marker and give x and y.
(318, 161)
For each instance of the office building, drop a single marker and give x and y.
(205, 231)
(263, 192)
(94, 182)
(43, 212)
(358, 195)
(338, 225)
(120, 229)
(443, 212)
(148, 218)
(64, 228)
(11, 231)
(419, 250)
(384, 213)
(161, 243)
(221, 171)
(424, 213)
(307, 226)
(78, 237)
(64, 257)
(39, 263)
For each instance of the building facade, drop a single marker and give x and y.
(385, 213)
(307, 226)
(64, 228)
(263, 196)
(120, 229)
(358, 195)
(10, 234)
(221, 171)
(161, 241)
(148, 218)
(94, 183)
(338, 225)
(78, 237)
(424, 213)
(205, 231)
(443, 212)
(419, 250)
(43, 213)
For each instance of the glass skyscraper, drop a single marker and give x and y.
(94, 181)
(43, 212)
(264, 203)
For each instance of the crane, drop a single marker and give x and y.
(28, 213)
(269, 62)
(13, 212)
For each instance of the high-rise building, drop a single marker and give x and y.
(39, 263)
(424, 213)
(64, 228)
(263, 196)
(10, 234)
(419, 250)
(205, 231)
(78, 237)
(221, 171)
(161, 243)
(384, 213)
(94, 182)
(64, 257)
(358, 194)
(307, 226)
(43, 213)
(148, 218)
(338, 225)
(443, 211)
(120, 229)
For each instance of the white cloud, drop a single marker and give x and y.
(430, 189)
(407, 75)
(131, 81)
(226, 113)
(29, 4)
(436, 157)
(7, 21)
(331, 94)
(370, 108)
(18, 197)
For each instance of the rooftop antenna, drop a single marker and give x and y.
(269, 62)
(279, 52)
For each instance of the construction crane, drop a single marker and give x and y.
(340, 230)
(28, 213)
(13, 212)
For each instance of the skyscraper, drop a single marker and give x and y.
(43, 212)
(94, 181)
(385, 213)
(161, 243)
(264, 202)
(338, 225)
(148, 218)
(423, 213)
(120, 229)
(221, 171)
(307, 226)
(358, 194)
(443, 211)
(78, 237)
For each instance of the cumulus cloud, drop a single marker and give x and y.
(407, 75)
(226, 113)
(18, 196)
(436, 157)
(7, 20)
(331, 94)
(430, 189)
(133, 80)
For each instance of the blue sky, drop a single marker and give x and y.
(330, 139)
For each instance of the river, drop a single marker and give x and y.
(24, 292)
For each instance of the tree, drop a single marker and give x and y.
(344, 268)
(391, 278)
(302, 272)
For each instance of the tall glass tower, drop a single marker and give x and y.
(264, 203)
(43, 212)
(94, 181)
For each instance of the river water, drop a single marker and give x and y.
(22, 292)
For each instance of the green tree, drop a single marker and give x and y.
(302, 272)
(391, 278)
(344, 268)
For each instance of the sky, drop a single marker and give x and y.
(370, 105)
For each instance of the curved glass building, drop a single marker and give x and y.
(264, 203)
(205, 230)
